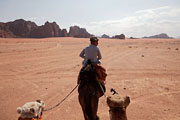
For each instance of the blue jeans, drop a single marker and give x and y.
(85, 61)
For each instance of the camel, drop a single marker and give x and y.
(89, 91)
(31, 110)
(117, 106)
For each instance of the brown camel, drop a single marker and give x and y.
(117, 107)
(89, 92)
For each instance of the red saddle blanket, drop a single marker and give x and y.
(100, 71)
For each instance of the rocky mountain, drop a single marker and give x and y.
(132, 38)
(105, 36)
(46, 30)
(122, 36)
(162, 35)
(76, 31)
(28, 29)
(21, 28)
(64, 33)
(5, 32)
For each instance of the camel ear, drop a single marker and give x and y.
(32, 110)
(39, 101)
(126, 101)
(19, 110)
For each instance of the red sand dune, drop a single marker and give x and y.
(148, 70)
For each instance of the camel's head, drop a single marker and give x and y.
(31, 109)
(118, 106)
(115, 101)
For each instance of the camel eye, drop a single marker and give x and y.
(32, 110)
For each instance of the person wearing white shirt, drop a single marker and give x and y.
(91, 52)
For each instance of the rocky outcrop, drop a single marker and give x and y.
(105, 36)
(133, 38)
(5, 32)
(28, 29)
(21, 28)
(64, 33)
(122, 36)
(17, 28)
(76, 31)
(47, 30)
(162, 35)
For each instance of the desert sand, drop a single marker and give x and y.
(147, 70)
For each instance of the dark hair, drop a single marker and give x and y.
(93, 39)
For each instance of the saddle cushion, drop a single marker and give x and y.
(100, 71)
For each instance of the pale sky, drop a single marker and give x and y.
(136, 18)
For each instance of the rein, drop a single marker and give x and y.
(62, 99)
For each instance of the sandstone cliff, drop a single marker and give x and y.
(46, 30)
(122, 36)
(76, 31)
(28, 29)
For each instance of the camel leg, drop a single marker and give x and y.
(83, 106)
(94, 106)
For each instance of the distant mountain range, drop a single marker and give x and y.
(27, 29)
(162, 35)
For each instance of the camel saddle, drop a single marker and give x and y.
(101, 73)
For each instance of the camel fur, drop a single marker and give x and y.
(31, 109)
(117, 107)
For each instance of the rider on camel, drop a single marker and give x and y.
(92, 53)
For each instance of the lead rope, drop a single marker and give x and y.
(62, 99)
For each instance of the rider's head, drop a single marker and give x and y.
(94, 40)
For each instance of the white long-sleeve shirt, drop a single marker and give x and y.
(91, 52)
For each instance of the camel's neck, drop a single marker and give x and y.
(118, 114)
